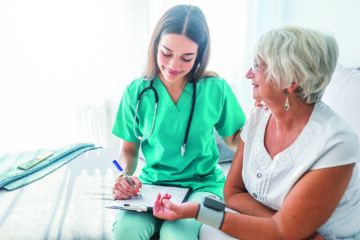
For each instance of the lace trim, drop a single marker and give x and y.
(261, 162)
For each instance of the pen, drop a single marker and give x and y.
(117, 165)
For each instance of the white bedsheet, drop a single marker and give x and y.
(67, 204)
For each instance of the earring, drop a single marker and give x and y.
(287, 105)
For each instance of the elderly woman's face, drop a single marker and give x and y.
(262, 90)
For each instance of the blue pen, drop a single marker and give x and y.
(117, 165)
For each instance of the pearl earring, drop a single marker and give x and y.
(287, 105)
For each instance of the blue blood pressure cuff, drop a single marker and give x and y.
(211, 212)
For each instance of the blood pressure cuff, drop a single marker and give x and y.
(211, 212)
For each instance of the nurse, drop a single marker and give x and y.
(176, 138)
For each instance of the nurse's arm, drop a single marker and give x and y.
(233, 140)
(129, 156)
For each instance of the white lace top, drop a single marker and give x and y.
(326, 141)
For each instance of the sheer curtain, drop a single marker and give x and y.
(65, 64)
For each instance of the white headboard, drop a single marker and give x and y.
(343, 95)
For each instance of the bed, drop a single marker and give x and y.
(69, 203)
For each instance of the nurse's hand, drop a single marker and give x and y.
(259, 103)
(123, 190)
(315, 236)
(165, 209)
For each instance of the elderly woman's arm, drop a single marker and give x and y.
(235, 194)
(307, 207)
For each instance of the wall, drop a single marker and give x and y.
(63, 63)
(338, 17)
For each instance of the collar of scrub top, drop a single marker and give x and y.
(156, 103)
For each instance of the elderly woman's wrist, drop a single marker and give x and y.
(190, 210)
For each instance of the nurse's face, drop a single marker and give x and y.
(175, 57)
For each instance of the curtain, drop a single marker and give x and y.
(64, 64)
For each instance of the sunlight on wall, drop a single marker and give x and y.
(65, 64)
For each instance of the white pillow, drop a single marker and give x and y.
(343, 95)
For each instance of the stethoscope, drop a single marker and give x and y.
(155, 108)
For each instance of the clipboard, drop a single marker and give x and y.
(148, 196)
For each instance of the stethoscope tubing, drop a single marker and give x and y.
(183, 147)
(141, 138)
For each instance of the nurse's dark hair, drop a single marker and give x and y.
(185, 20)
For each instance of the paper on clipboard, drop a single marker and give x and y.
(149, 193)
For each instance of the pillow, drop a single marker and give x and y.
(343, 95)
(225, 153)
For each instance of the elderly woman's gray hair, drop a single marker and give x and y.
(297, 55)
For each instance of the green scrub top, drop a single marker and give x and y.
(215, 106)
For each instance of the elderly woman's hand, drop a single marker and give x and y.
(165, 209)
(315, 236)
(259, 103)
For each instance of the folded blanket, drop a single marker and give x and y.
(20, 169)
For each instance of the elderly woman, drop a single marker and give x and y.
(295, 174)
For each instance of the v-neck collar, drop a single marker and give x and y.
(184, 100)
(296, 145)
